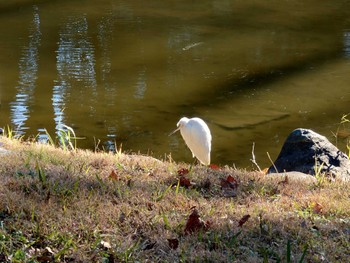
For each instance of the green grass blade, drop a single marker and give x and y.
(161, 196)
(304, 254)
(289, 252)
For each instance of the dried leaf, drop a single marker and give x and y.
(173, 243)
(214, 166)
(149, 206)
(113, 175)
(182, 171)
(185, 182)
(317, 208)
(285, 181)
(231, 179)
(264, 171)
(43, 258)
(229, 182)
(194, 223)
(243, 220)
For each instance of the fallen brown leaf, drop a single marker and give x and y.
(182, 171)
(285, 181)
(317, 208)
(243, 220)
(214, 166)
(113, 175)
(173, 243)
(229, 182)
(194, 223)
(264, 171)
(149, 206)
(43, 258)
(185, 182)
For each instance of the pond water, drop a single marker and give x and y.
(127, 71)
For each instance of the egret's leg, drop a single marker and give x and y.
(194, 163)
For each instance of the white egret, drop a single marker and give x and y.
(196, 135)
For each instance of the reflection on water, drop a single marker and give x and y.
(28, 68)
(75, 68)
(141, 84)
(347, 44)
(104, 36)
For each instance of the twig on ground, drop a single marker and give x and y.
(253, 158)
(273, 164)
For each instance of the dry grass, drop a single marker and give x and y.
(64, 206)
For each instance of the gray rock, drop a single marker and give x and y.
(307, 151)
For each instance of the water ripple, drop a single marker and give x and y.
(75, 63)
(28, 68)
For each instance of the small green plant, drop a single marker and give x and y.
(289, 253)
(49, 138)
(67, 244)
(19, 256)
(41, 174)
(343, 132)
(8, 132)
(166, 221)
(102, 183)
(177, 187)
(67, 137)
(160, 195)
(127, 254)
(345, 120)
(233, 240)
(118, 151)
(319, 175)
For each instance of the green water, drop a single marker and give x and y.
(127, 71)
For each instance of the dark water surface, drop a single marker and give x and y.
(126, 71)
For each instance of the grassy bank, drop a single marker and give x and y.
(78, 206)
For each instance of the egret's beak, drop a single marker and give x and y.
(174, 131)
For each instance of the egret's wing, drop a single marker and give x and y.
(198, 138)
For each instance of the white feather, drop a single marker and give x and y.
(197, 137)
